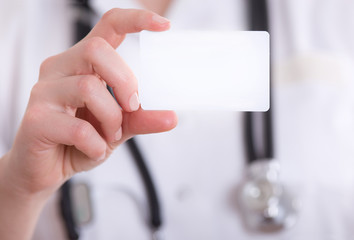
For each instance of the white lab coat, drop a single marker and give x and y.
(197, 167)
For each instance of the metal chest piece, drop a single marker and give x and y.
(266, 205)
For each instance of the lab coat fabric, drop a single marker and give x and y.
(198, 166)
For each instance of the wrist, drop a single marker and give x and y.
(19, 209)
(14, 187)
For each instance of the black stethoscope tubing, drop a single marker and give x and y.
(259, 21)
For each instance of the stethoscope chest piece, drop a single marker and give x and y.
(266, 205)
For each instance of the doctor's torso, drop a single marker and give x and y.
(197, 167)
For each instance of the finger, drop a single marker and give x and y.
(117, 22)
(144, 122)
(88, 91)
(96, 56)
(61, 128)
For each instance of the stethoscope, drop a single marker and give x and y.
(265, 204)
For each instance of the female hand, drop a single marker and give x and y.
(72, 123)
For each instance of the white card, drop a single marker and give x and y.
(204, 70)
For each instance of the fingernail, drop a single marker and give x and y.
(101, 158)
(160, 20)
(118, 135)
(134, 102)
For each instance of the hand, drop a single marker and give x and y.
(72, 123)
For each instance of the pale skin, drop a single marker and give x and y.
(72, 123)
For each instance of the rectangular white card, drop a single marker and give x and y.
(204, 70)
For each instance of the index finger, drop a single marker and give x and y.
(95, 53)
(115, 23)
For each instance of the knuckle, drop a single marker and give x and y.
(87, 85)
(46, 65)
(33, 115)
(81, 131)
(93, 45)
(37, 106)
(107, 16)
(38, 90)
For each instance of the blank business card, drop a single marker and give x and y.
(204, 70)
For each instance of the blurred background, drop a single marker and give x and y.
(201, 168)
